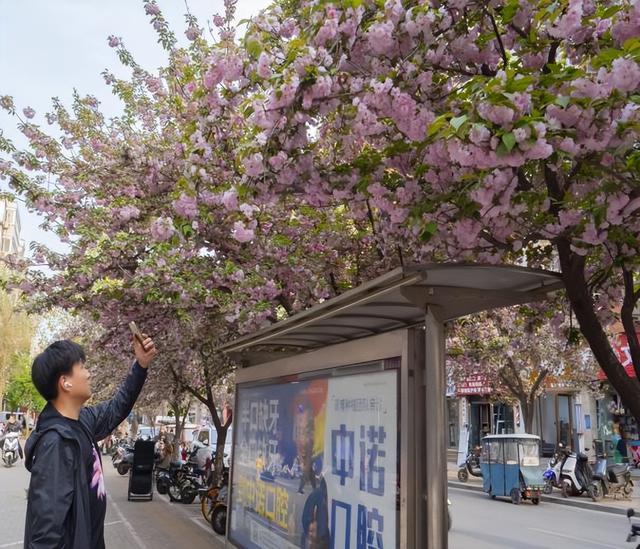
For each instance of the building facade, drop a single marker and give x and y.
(10, 228)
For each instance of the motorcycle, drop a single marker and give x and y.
(635, 528)
(471, 465)
(187, 481)
(552, 474)
(10, 449)
(610, 480)
(122, 459)
(164, 477)
(576, 475)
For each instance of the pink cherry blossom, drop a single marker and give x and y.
(380, 36)
(127, 213)
(151, 8)
(242, 233)
(498, 114)
(253, 165)
(264, 65)
(186, 206)
(230, 199)
(192, 33)
(625, 75)
(570, 22)
(162, 229)
(29, 112)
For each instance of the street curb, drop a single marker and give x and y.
(570, 502)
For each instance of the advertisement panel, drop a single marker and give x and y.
(315, 464)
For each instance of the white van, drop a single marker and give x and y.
(205, 438)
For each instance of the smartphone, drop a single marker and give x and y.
(136, 331)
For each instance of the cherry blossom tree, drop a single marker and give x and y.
(249, 178)
(160, 226)
(521, 352)
(504, 131)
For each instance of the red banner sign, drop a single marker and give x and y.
(621, 348)
(476, 384)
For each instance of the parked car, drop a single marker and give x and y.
(205, 439)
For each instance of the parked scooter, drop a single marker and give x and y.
(635, 528)
(10, 449)
(610, 480)
(122, 459)
(471, 465)
(576, 474)
(187, 481)
(552, 474)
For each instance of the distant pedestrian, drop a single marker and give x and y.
(183, 451)
(12, 426)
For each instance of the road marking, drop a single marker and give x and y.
(113, 522)
(184, 510)
(573, 538)
(568, 508)
(199, 521)
(133, 533)
(14, 544)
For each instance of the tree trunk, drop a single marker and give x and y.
(573, 273)
(526, 409)
(133, 430)
(180, 421)
(221, 430)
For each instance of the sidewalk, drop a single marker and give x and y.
(608, 505)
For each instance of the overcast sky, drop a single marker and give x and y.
(49, 47)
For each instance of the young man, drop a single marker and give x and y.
(67, 498)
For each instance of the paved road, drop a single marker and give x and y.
(478, 522)
(482, 523)
(158, 524)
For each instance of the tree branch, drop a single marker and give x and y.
(541, 377)
(503, 51)
(510, 385)
(626, 314)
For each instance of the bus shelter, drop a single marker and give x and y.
(340, 419)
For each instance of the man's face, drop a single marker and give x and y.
(76, 384)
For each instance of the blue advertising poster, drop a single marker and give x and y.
(314, 464)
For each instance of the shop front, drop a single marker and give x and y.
(617, 429)
(480, 413)
(556, 420)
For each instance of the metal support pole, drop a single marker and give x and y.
(436, 452)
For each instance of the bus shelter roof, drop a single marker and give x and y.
(397, 299)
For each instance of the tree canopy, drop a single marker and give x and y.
(256, 174)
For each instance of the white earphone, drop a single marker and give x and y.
(68, 385)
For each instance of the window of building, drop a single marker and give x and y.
(9, 217)
(6, 244)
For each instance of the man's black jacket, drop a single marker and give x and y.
(58, 501)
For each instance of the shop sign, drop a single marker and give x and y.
(475, 384)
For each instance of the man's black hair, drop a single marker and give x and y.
(55, 361)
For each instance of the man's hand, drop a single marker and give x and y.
(145, 351)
